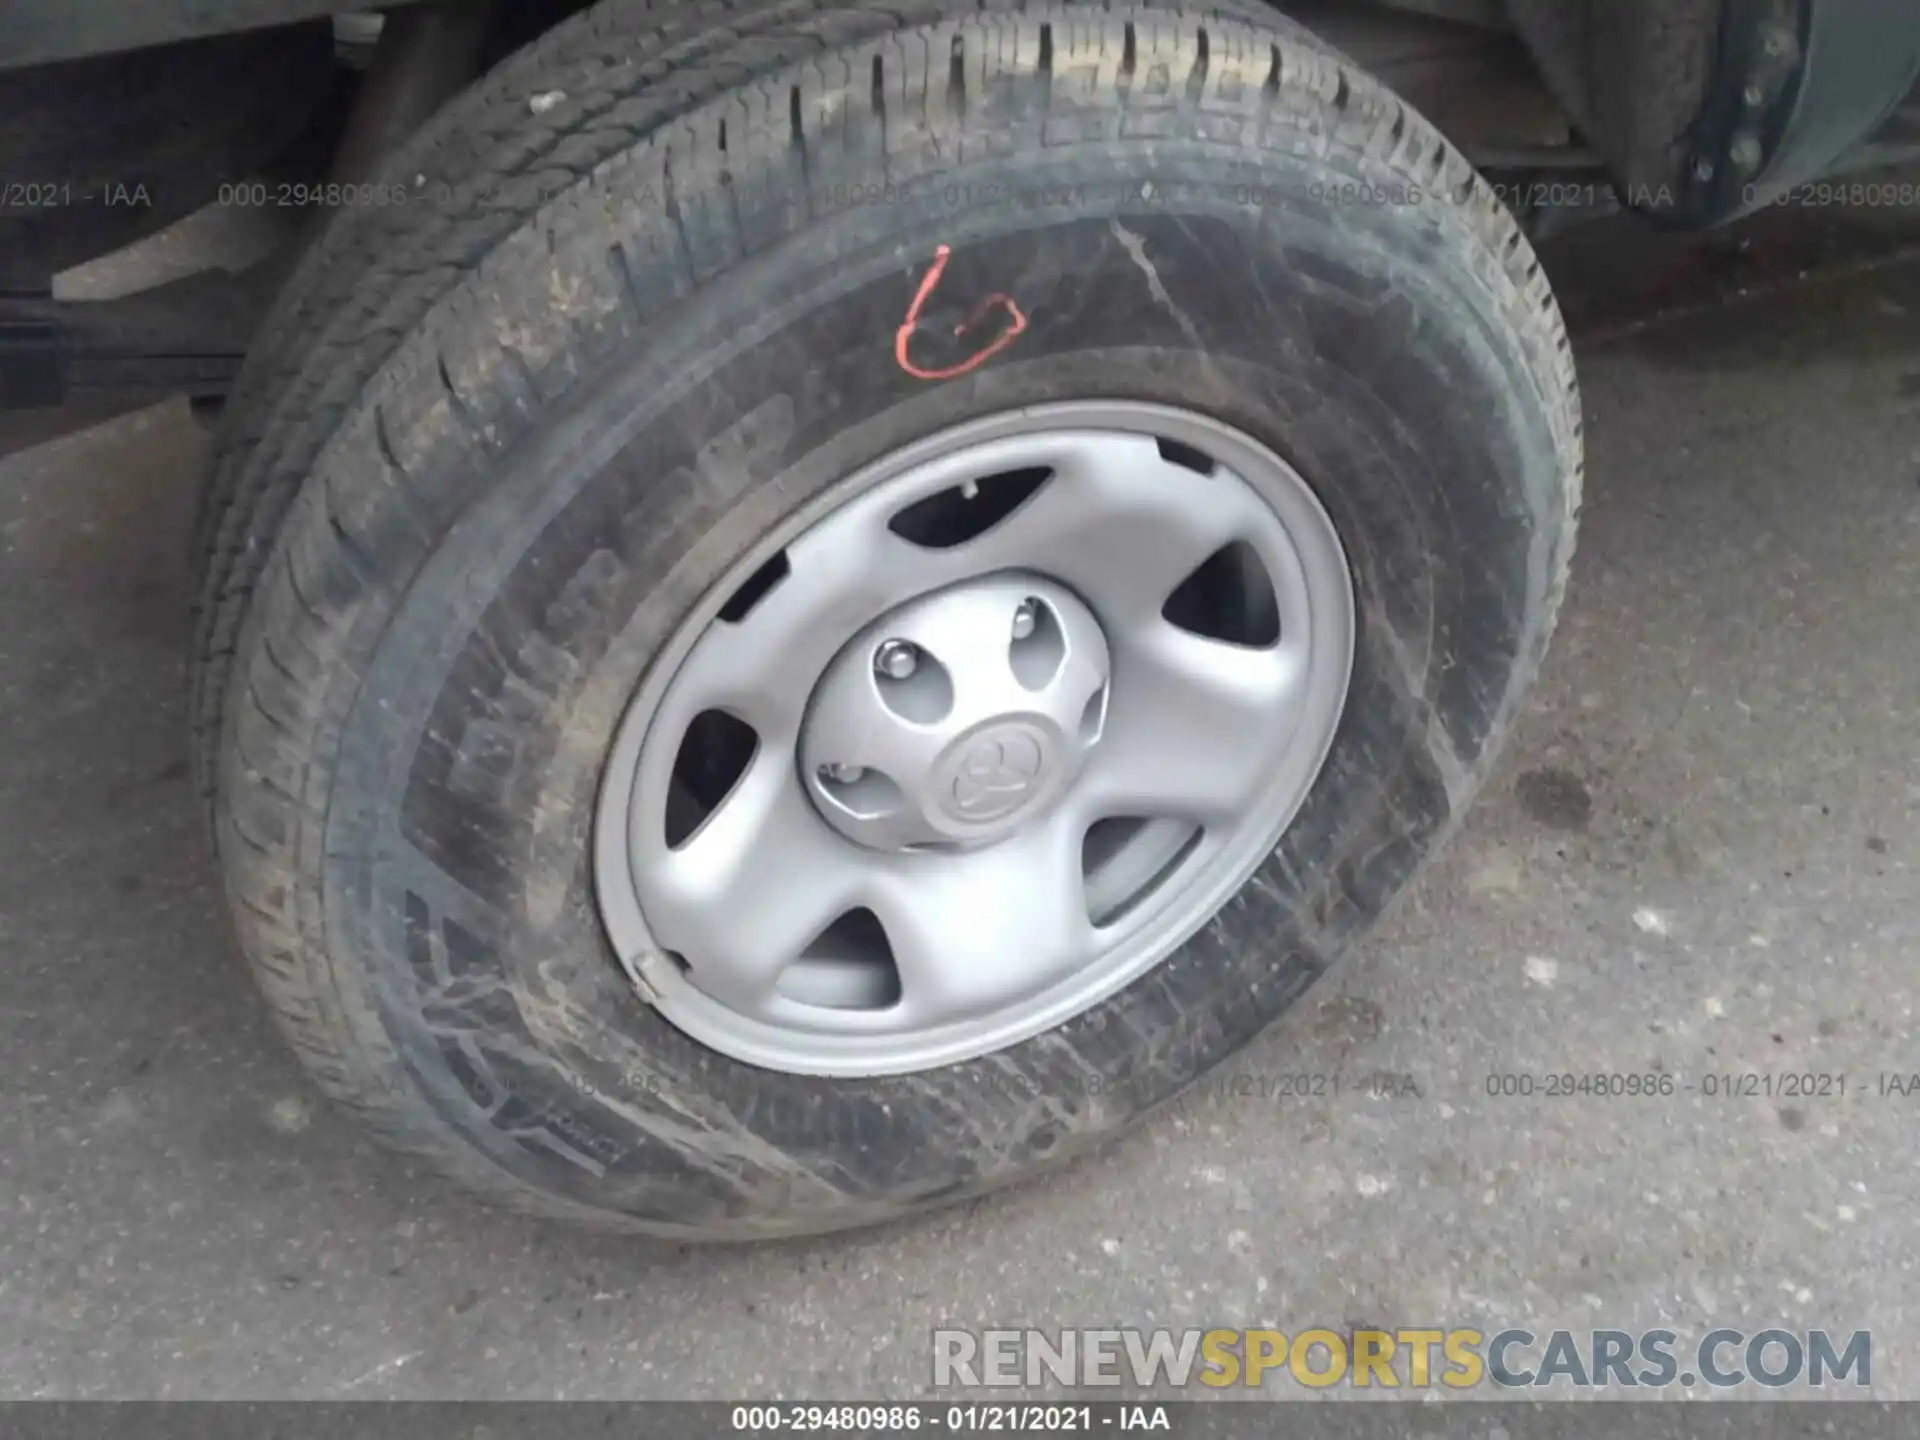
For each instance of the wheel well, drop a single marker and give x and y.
(1632, 74)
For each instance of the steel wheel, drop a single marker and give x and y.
(975, 741)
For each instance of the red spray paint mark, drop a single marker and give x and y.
(1016, 323)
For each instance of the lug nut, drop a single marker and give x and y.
(896, 660)
(842, 774)
(1024, 620)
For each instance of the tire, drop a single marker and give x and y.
(514, 465)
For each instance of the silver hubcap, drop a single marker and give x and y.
(975, 740)
(958, 717)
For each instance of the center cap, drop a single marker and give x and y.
(958, 717)
(993, 773)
